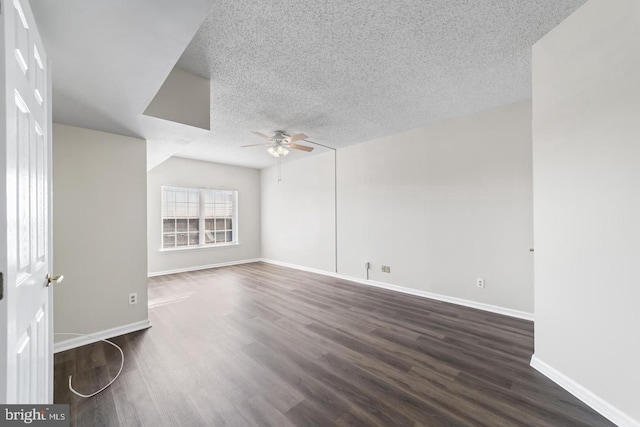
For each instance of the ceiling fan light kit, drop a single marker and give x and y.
(277, 151)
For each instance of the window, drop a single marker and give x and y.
(193, 217)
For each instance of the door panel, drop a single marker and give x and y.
(23, 119)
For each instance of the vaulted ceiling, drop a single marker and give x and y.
(342, 72)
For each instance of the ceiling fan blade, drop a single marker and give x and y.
(300, 147)
(261, 135)
(296, 137)
(254, 145)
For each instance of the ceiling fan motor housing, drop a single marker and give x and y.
(279, 137)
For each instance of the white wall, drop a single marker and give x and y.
(194, 173)
(99, 229)
(183, 98)
(298, 214)
(442, 206)
(586, 145)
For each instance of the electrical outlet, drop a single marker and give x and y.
(367, 265)
(480, 283)
(133, 298)
(386, 269)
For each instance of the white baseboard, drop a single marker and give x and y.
(74, 342)
(598, 404)
(202, 267)
(301, 267)
(453, 300)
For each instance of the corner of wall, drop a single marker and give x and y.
(600, 405)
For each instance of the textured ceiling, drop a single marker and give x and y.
(341, 71)
(349, 71)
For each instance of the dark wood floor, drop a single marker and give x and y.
(262, 345)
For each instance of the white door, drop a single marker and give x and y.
(26, 333)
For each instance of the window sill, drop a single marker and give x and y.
(196, 248)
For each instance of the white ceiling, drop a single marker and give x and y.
(343, 71)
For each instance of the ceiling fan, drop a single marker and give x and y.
(280, 143)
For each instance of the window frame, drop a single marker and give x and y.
(201, 220)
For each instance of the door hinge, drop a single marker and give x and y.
(1, 286)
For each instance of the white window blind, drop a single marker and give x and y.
(193, 217)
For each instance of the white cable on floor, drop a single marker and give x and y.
(110, 382)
